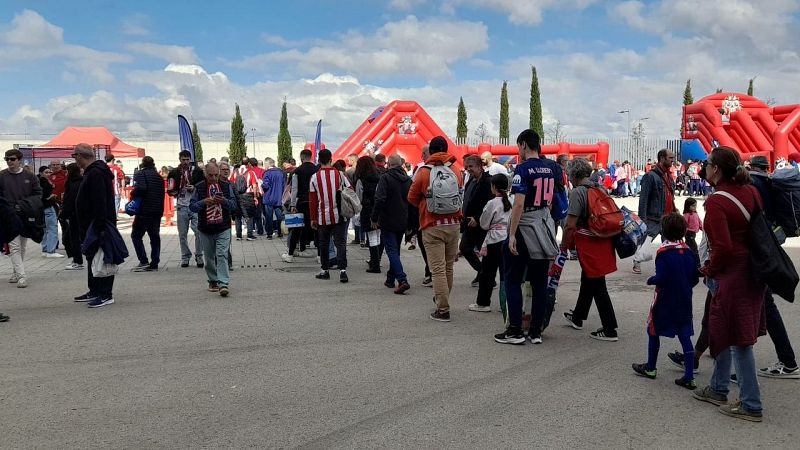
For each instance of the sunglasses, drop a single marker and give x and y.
(11, 158)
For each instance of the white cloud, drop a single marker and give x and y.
(406, 5)
(169, 53)
(520, 12)
(31, 38)
(136, 25)
(420, 48)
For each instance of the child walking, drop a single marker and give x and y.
(693, 223)
(671, 311)
(494, 219)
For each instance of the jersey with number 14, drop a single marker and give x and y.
(537, 179)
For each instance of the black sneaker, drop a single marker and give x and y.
(642, 370)
(476, 282)
(251, 238)
(200, 264)
(223, 291)
(512, 336)
(535, 339)
(677, 359)
(269, 237)
(440, 316)
(427, 282)
(343, 276)
(141, 267)
(323, 275)
(688, 384)
(4, 318)
(184, 264)
(100, 302)
(604, 335)
(238, 238)
(576, 324)
(85, 297)
(389, 284)
(151, 269)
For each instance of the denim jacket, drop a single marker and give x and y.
(652, 197)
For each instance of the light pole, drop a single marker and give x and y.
(253, 132)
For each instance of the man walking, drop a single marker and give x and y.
(531, 243)
(273, 184)
(181, 185)
(119, 179)
(23, 193)
(299, 203)
(149, 189)
(324, 200)
(96, 210)
(390, 215)
(213, 202)
(656, 199)
(50, 239)
(477, 193)
(439, 203)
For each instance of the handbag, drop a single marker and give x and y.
(769, 262)
(132, 207)
(350, 204)
(633, 232)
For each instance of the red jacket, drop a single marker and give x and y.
(418, 192)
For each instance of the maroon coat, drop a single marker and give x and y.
(736, 316)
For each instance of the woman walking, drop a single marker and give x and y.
(596, 255)
(736, 315)
(367, 175)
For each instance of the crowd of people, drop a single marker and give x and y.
(495, 220)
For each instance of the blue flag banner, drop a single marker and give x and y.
(318, 140)
(185, 133)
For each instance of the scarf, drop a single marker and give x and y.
(213, 212)
(670, 245)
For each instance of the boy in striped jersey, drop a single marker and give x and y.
(324, 204)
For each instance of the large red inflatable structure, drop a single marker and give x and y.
(746, 124)
(404, 127)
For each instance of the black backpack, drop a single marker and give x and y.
(786, 200)
(241, 182)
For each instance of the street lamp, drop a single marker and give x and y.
(628, 113)
(253, 133)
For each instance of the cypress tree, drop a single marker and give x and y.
(284, 138)
(461, 129)
(504, 114)
(687, 93)
(536, 105)
(198, 147)
(238, 146)
(750, 88)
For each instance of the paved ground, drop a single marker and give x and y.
(290, 361)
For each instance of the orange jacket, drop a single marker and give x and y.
(417, 194)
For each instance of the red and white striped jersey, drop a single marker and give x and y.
(322, 192)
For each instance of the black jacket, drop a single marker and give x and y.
(303, 173)
(149, 186)
(174, 179)
(477, 194)
(47, 191)
(68, 208)
(95, 201)
(390, 209)
(369, 184)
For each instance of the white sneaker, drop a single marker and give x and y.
(52, 255)
(287, 258)
(304, 254)
(22, 283)
(319, 260)
(478, 308)
(14, 278)
(74, 266)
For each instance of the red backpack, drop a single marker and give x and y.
(605, 218)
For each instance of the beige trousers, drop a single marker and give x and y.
(441, 244)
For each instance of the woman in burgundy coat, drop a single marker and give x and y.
(736, 315)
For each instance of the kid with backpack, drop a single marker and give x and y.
(671, 311)
(592, 222)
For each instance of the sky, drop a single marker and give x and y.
(134, 66)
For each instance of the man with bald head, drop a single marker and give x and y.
(390, 214)
(214, 202)
(491, 166)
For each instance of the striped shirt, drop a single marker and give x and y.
(322, 192)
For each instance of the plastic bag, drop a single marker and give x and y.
(99, 267)
(647, 251)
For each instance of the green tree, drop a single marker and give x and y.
(461, 129)
(750, 88)
(198, 147)
(504, 113)
(687, 93)
(284, 138)
(238, 146)
(536, 105)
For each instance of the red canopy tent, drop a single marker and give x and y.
(100, 138)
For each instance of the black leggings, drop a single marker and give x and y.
(595, 288)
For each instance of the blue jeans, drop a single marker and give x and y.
(392, 240)
(50, 239)
(187, 218)
(216, 247)
(151, 226)
(116, 203)
(745, 364)
(537, 270)
(268, 225)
